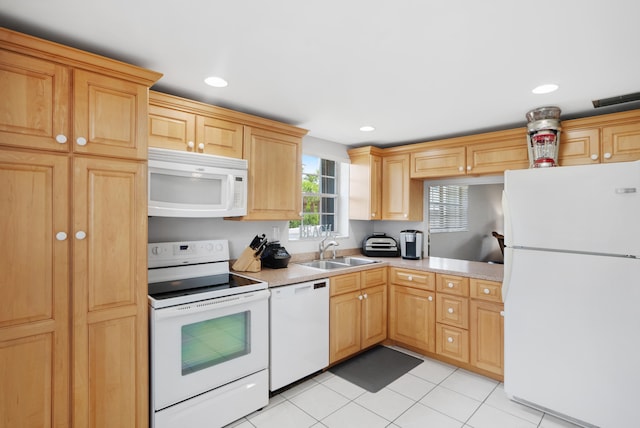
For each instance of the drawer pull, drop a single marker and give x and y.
(450, 285)
(450, 339)
(410, 278)
(450, 310)
(486, 291)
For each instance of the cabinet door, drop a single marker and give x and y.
(412, 314)
(110, 116)
(344, 325)
(34, 290)
(579, 146)
(494, 157)
(621, 143)
(171, 129)
(275, 175)
(438, 162)
(487, 336)
(110, 348)
(374, 315)
(401, 196)
(34, 111)
(365, 187)
(219, 137)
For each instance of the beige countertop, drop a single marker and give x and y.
(296, 273)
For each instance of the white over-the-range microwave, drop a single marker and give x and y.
(184, 184)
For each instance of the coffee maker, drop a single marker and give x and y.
(411, 244)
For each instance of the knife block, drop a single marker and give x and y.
(248, 261)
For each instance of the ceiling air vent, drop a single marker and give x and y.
(604, 102)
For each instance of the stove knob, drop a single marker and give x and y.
(155, 251)
(218, 247)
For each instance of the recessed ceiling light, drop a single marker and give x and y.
(367, 128)
(545, 89)
(216, 82)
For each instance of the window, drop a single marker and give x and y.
(320, 199)
(448, 207)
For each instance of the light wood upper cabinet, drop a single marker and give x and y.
(482, 154)
(365, 184)
(109, 116)
(180, 124)
(34, 288)
(402, 198)
(275, 175)
(439, 162)
(579, 146)
(621, 143)
(36, 100)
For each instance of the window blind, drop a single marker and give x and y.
(448, 207)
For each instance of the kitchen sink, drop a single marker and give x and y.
(338, 263)
(353, 261)
(324, 264)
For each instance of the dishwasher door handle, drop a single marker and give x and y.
(303, 289)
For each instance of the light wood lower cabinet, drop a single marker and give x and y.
(449, 317)
(487, 326)
(357, 312)
(412, 308)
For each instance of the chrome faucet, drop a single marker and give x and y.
(322, 247)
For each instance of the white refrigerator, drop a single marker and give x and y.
(571, 292)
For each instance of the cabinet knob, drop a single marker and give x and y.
(191, 144)
(468, 167)
(61, 236)
(81, 141)
(430, 298)
(405, 215)
(373, 214)
(450, 339)
(201, 146)
(450, 310)
(410, 278)
(360, 297)
(80, 235)
(60, 138)
(501, 313)
(594, 156)
(366, 296)
(607, 155)
(460, 168)
(450, 285)
(486, 291)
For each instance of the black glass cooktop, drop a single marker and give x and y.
(182, 287)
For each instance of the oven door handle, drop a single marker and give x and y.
(211, 304)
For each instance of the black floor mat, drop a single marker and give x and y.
(375, 368)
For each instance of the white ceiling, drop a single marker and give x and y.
(416, 70)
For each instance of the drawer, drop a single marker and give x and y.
(373, 277)
(452, 284)
(413, 278)
(452, 342)
(344, 283)
(452, 310)
(486, 290)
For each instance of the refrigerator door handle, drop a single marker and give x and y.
(506, 279)
(623, 190)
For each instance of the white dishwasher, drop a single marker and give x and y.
(299, 331)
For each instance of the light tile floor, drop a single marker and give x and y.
(433, 394)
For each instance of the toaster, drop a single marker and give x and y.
(380, 245)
